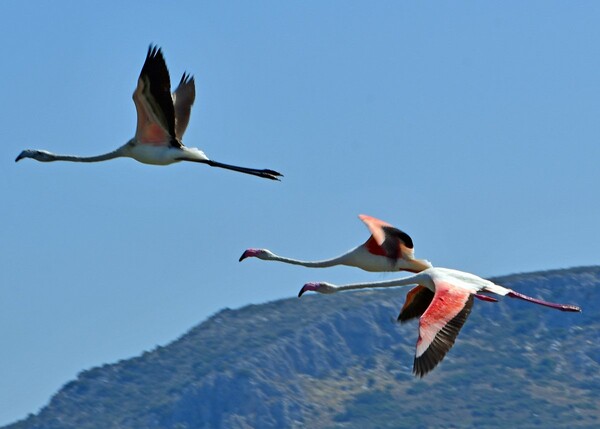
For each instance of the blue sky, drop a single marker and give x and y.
(473, 126)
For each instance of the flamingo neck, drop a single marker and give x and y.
(104, 157)
(411, 280)
(340, 260)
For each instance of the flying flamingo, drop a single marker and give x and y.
(444, 317)
(387, 249)
(162, 118)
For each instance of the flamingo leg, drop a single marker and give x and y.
(266, 173)
(485, 298)
(561, 307)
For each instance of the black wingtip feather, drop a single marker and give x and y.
(154, 51)
(156, 75)
(399, 234)
(391, 243)
(417, 307)
(186, 78)
(443, 342)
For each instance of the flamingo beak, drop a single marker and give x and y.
(307, 287)
(249, 253)
(20, 157)
(245, 255)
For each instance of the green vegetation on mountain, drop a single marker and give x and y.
(340, 361)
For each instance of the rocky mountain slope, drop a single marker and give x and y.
(340, 361)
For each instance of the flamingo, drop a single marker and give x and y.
(387, 249)
(162, 118)
(453, 293)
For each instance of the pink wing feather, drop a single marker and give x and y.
(386, 240)
(440, 324)
(375, 227)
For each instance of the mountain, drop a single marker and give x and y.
(340, 361)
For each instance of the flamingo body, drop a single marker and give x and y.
(452, 293)
(162, 119)
(163, 155)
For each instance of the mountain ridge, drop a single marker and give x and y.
(329, 361)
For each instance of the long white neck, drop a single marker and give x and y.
(45, 156)
(73, 158)
(340, 260)
(411, 280)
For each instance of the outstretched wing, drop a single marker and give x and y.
(440, 324)
(183, 99)
(386, 240)
(153, 102)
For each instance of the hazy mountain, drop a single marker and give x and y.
(340, 361)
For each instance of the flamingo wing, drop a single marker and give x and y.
(417, 301)
(153, 103)
(183, 99)
(440, 324)
(386, 240)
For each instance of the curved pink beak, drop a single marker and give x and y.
(308, 286)
(248, 254)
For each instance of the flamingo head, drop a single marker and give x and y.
(321, 287)
(38, 155)
(256, 253)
